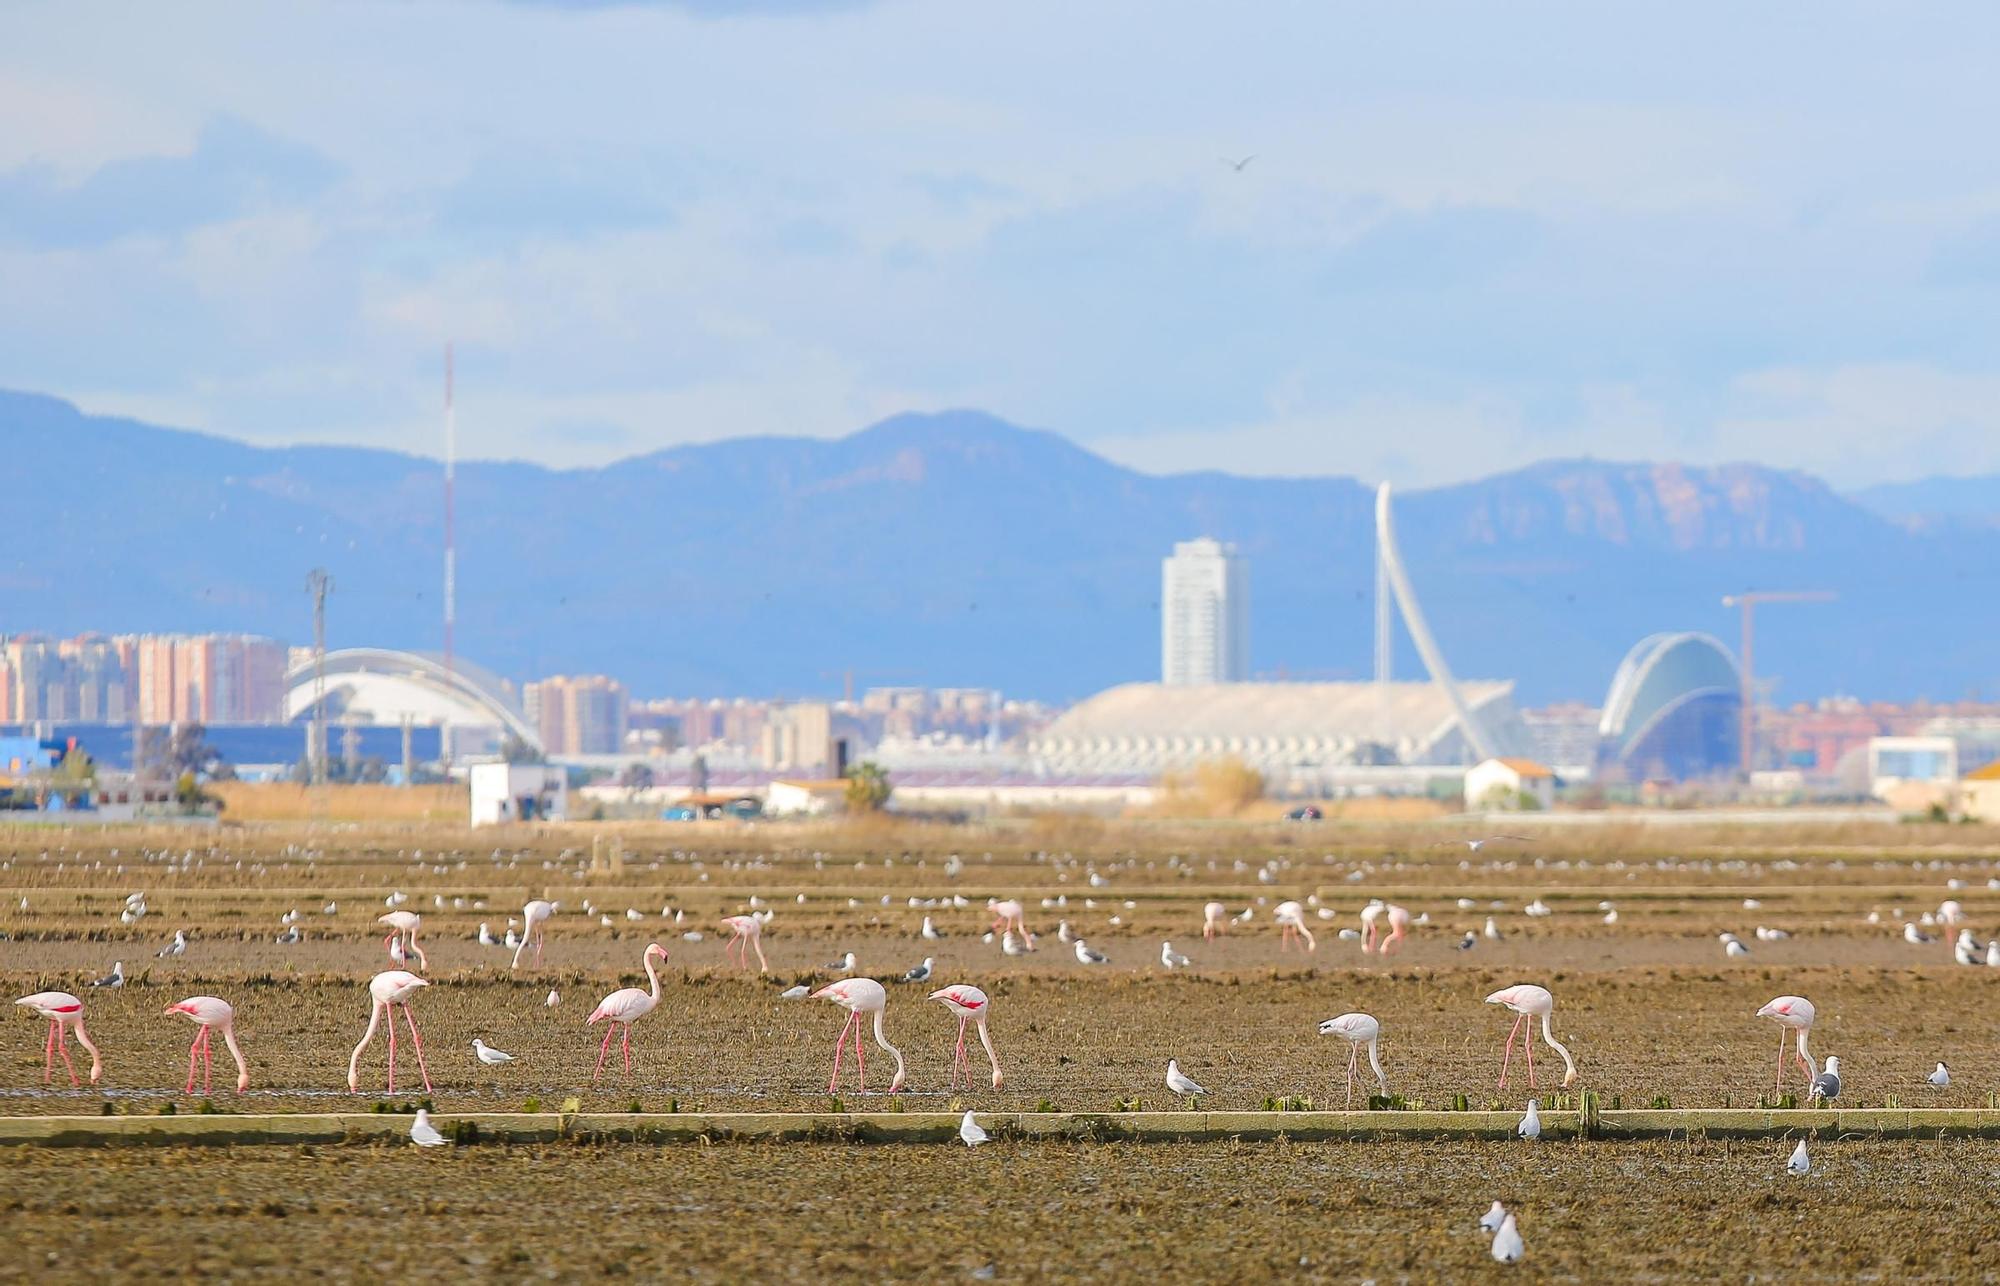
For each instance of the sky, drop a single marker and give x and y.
(1472, 235)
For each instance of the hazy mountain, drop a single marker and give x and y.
(1936, 502)
(956, 549)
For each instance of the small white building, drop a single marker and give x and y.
(1506, 783)
(805, 798)
(517, 793)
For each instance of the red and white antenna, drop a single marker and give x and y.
(450, 535)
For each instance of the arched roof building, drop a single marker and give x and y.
(380, 686)
(1673, 707)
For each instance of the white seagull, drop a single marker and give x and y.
(553, 999)
(1171, 958)
(1012, 944)
(1086, 954)
(1179, 1082)
(845, 964)
(795, 993)
(1941, 1078)
(423, 1133)
(1474, 845)
(1800, 1163)
(290, 937)
(1063, 934)
(1531, 1122)
(922, 973)
(489, 1055)
(486, 938)
(930, 933)
(1507, 1243)
(178, 947)
(116, 978)
(1493, 1218)
(968, 1129)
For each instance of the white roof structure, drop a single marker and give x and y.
(1273, 727)
(381, 686)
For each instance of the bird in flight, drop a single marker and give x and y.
(1237, 165)
(1474, 845)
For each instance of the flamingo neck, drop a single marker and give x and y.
(653, 974)
(1549, 1039)
(882, 1039)
(1375, 1061)
(1812, 1068)
(236, 1052)
(991, 1056)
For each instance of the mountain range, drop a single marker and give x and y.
(956, 549)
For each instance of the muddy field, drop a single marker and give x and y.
(1010, 1212)
(1651, 1008)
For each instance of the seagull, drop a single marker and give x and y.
(489, 1055)
(922, 973)
(553, 999)
(795, 993)
(1771, 935)
(1735, 949)
(1915, 936)
(1085, 954)
(486, 938)
(1537, 908)
(969, 1130)
(1492, 1219)
(1474, 845)
(1011, 944)
(512, 939)
(845, 964)
(423, 1133)
(1179, 1083)
(290, 937)
(1492, 930)
(1827, 1083)
(1063, 934)
(1237, 165)
(1350, 935)
(177, 947)
(1967, 950)
(1941, 1078)
(930, 933)
(1993, 954)
(1470, 941)
(1507, 1244)
(1171, 958)
(330, 908)
(1800, 1163)
(116, 978)
(1531, 1122)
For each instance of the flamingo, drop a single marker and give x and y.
(748, 933)
(1399, 926)
(388, 989)
(1359, 1030)
(403, 933)
(1214, 920)
(63, 1011)
(1530, 1001)
(860, 996)
(1793, 1013)
(624, 1007)
(1291, 918)
(208, 1014)
(533, 915)
(970, 1004)
(1009, 915)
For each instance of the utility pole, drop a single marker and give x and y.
(1746, 734)
(319, 585)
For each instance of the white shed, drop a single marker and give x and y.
(518, 792)
(1505, 783)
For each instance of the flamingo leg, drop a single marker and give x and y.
(860, 1062)
(418, 1041)
(392, 1047)
(1528, 1048)
(1507, 1050)
(207, 1060)
(1353, 1061)
(840, 1047)
(626, 1045)
(960, 1062)
(538, 945)
(601, 1052)
(62, 1048)
(1781, 1060)
(49, 1055)
(763, 965)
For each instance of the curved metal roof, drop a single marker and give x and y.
(469, 685)
(1661, 673)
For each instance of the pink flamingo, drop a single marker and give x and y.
(1214, 920)
(1359, 1030)
(403, 926)
(970, 1004)
(388, 989)
(748, 933)
(1009, 915)
(860, 996)
(63, 1011)
(1793, 1013)
(1399, 926)
(533, 916)
(1528, 1001)
(1291, 918)
(624, 1007)
(210, 1013)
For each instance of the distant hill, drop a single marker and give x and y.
(1935, 502)
(958, 549)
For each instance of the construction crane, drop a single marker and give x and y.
(1748, 601)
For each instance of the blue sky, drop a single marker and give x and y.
(1473, 236)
